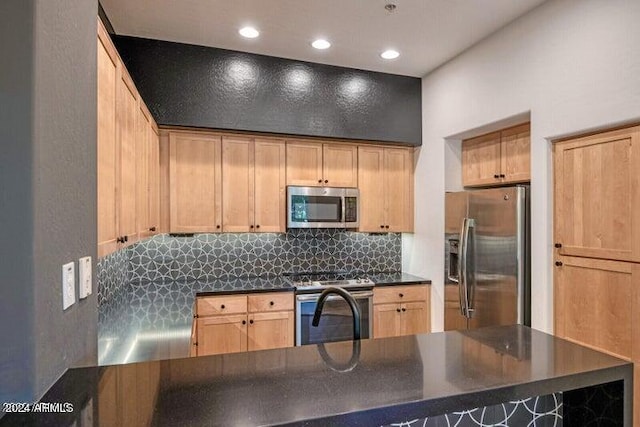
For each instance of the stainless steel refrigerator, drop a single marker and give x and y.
(487, 258)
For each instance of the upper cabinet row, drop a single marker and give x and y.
(237, 183)
(498, 158)
(128, 156)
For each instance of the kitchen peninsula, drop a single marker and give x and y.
(369, 382)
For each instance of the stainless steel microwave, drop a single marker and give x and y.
(322, 207)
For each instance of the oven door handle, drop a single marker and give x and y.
(355, 295)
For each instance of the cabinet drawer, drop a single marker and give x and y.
(278, 301)
(399, 294)
(224, 304)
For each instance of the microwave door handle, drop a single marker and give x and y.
(344, 213)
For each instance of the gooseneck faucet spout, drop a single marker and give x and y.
(355, 310)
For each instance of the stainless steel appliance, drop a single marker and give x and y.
(336, 323)
(322, 207)
(487, 258)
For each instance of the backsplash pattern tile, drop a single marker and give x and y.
(112, 274)
(211, 256)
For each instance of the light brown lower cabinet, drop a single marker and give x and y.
(401, 310)
(597, 304)
(127, 394)
(237, 323)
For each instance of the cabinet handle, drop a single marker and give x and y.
(558, 263)
(222, 307)
(126, 238)
(386, 226)
(217, 226)
(502, 175)
(271, 303)
(258, 226)
(382, 226)
(152, 228)
(398, 310)
(244, 322)
(404, 309)
(326, 181)
(251, 226)
(496, 176)
(401, 295)
(558, 245)
(251, 321)
(319, 181)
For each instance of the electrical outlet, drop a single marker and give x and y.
(84, 271)
(68, 285)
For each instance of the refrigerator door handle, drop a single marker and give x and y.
(463, 287)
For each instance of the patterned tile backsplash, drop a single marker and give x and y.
(112, 274)
(210, 256)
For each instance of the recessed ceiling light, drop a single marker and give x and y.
(390, 54)
(249, 32)
(321, 44)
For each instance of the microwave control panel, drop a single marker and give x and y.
(350, 209)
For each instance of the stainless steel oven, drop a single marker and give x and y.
(322, 207)
(336, 323)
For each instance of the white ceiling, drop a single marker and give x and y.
(427, 33)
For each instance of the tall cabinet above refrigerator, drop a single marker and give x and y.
(487, 258)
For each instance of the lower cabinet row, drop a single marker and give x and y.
(260, 321)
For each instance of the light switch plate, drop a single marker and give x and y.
(68, 285)
(84, 271)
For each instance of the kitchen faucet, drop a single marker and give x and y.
(355, 311)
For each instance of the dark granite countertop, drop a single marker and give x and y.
(397, 278)
(389, 380)
(152, 320)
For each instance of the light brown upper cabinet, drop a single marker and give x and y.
(385, 177)
(147, 165)
(195, 182)
(597, 195)
(107, 145)
(253, 185)
(270, 186)
(124, 147)
(497, 158)
(318, 164)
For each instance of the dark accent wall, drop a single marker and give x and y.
(48, 171)
(187, 85)
(16, 214)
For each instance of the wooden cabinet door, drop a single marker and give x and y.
(398, 188)
(386, 320)
(414, 318)
(126, 117)
(515, 154)
(142, 167)
(481, 160)
(270, 330)
(270, 186)
(372, 189)
(222, 334)
(596, 304)
(340, 165)
(154, 180)
(304, 163)
(107, 145)
(237, 184)
(194, 183)
(597, 195)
